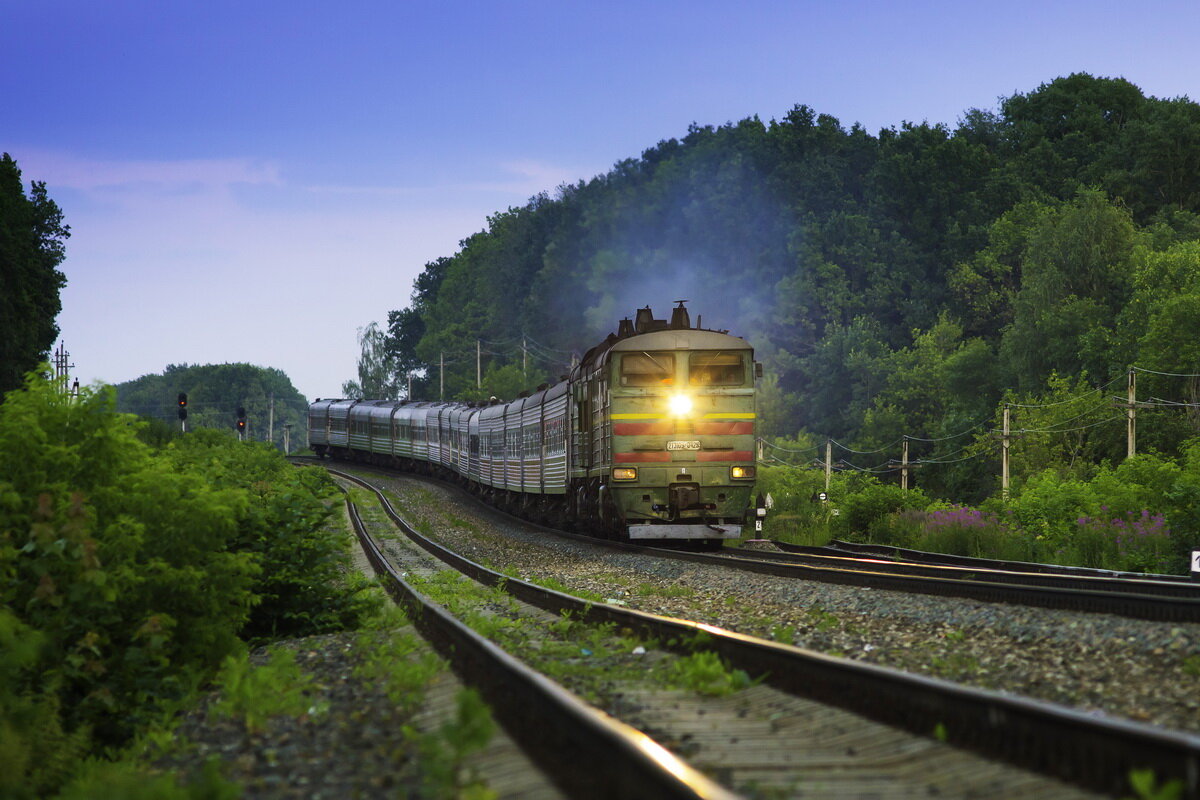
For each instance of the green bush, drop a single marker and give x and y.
(305, 561)
(124, 567)
(868, 501)
(127, 572)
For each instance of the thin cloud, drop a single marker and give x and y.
(523, 178)
(92, 175)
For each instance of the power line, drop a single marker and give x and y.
(1068, 400)
(1070, 430)
(867, 452)
(1167, 374)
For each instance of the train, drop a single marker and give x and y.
(650, 438)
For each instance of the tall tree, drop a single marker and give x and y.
(376, 367)
(32, 245)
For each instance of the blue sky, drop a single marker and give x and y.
(255, 181)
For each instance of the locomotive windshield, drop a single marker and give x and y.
(716, 369)
(647, 369)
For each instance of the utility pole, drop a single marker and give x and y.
(271, 420)
(524, 357)
(410, 386)
(287, 438)
(828, 462)
(1131, 414)
(441, 376)
(62, 369)
(904, 466)
(1004, 455)
(478, 362)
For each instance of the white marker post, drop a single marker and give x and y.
(1196, 565)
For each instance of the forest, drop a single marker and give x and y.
(215, 392)
(900, 288)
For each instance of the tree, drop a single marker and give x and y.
(376, 368)
(32, 245)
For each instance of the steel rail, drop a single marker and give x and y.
(559, 731)
(839, 547)
(798, 554)
(1097, 753)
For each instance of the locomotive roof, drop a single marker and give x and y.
(686, 339)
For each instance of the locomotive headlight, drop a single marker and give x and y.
(741, 472)
(624, 473)
(680, 405)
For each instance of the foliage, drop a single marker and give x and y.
(377, 375)
(705, 673)
(127, 573)
(32, 245)
(256, 693)
(306, 586)
(444, 751)
(130, 781)
(869, 501)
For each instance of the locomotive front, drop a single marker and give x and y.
(683, 432)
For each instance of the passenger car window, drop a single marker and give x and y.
(716, 369)
(647, 369)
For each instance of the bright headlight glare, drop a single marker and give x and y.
(680, 404)
(624, 473)
(741, 472)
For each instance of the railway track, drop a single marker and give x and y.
(1158, 600)
(553, 726)
(1097, 753)
(837, 547)
(1146, 598)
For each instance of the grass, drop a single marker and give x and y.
(591, 658)
(255, 694)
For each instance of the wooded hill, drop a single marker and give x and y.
(898, 284)
(215, 392)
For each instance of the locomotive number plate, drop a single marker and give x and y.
(683, 445)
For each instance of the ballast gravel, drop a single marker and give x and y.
(1103, 664)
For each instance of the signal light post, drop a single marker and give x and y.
(183, 412)
(241, 423)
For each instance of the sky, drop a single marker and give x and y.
(256, 181)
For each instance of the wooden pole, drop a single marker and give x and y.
(1004, 455)
(1131, 413)
(904, 467)
(828, 462)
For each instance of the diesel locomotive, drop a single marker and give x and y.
(650, 437)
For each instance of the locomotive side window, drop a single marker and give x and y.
(716, 369)
(647, 369)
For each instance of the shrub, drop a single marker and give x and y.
(1136, 542)
(107, 553)
(970, 532)
(305, 562)
(868, 501)
(127, 573)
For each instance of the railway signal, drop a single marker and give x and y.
(183, 412)
(241, 422)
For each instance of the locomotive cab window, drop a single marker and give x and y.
(647, 369)
(716, 369)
